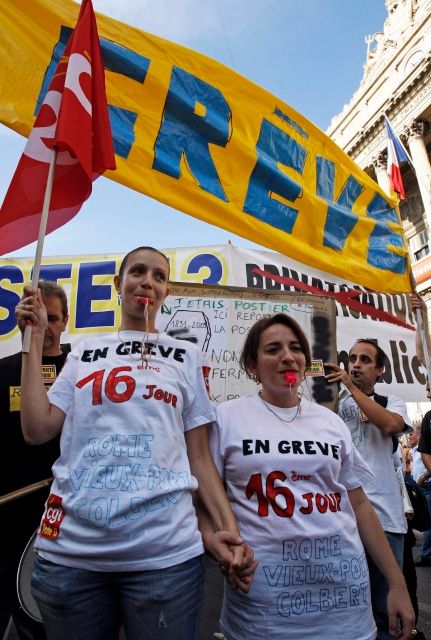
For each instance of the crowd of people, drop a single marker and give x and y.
(301, 508)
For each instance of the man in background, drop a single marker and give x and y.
(417, 467)
(24, 465)
(374, 421)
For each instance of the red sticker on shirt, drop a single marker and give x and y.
(52, 518)
(206, 371)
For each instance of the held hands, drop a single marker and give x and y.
(242, 577)
(234, 557)
(32, 309)
(401, 615)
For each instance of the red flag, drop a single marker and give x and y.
(74, 119)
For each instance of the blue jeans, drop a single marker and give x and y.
(425, 550)
(379, 586)
(77, 604)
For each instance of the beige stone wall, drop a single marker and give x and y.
(396, 82)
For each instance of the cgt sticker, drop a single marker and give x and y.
(52, 518)
(206, 373)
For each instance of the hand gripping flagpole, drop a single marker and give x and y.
(420, 327)
(40, 240)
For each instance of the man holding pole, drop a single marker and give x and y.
(25, 465)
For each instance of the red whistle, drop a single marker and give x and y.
(144, 300)
(291, 377)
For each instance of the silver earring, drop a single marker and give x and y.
(119, 298)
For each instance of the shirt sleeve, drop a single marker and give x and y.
(62, 392)
(396, 405)
(199, 409)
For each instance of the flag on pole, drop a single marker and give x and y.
(397, 154)
(74, 120)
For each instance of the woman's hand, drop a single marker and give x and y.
(400, 612)
(234, 557)
(32, 309)
(242, 577)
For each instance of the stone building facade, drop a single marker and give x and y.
(397, 82)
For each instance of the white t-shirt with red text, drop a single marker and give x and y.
(287, 484)
(122, 494)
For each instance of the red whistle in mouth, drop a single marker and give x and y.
(144, 300)
(291, 377)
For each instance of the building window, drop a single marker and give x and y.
(424, 251)
(419, 246)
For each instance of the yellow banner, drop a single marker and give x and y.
(197, 136)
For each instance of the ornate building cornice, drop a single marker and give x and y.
(396, 82)
(402, 109)
(396, 107)
(380, 160)
(416, 128)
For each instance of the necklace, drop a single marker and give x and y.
(297, 413)
(145, 351)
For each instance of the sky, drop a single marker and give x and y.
(308, 53)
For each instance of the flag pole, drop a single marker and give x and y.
(40, 241)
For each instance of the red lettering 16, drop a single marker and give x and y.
(111, 384)
(255, 486)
